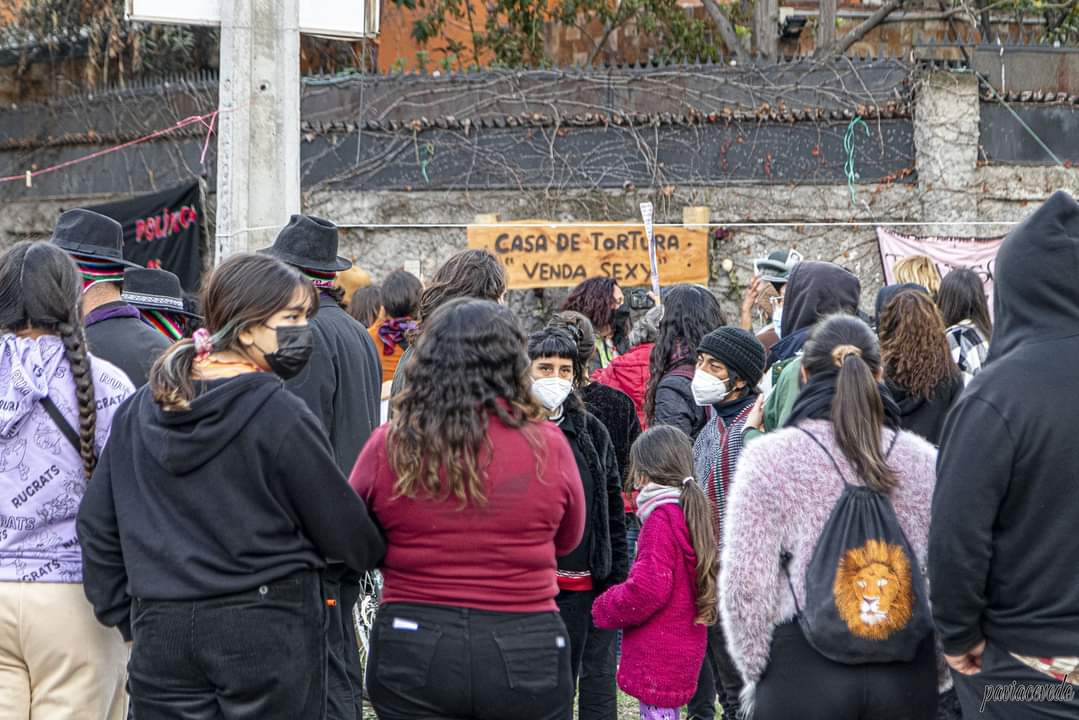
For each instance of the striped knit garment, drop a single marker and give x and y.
(96, 271)
(320, 278)
(168, 324)
(717, 484)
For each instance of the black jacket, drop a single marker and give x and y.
(1002, 550)
(926, 417)
(675, 404)
(237, 491)
(618, 414)
(128, 343)
(342, 383)
(603, 549)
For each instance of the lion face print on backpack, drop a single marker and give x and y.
(866, 599)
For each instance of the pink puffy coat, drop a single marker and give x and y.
(662, 647)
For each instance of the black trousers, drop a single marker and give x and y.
(597, 688)
(719, 679)
(344, 674)
(592, 656)
(258, 654)
(801, 683)
(1006, 689)
(448, 663)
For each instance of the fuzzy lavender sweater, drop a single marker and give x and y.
(782, 495)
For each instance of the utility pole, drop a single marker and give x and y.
(258, 149)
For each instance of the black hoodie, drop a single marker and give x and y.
(1002, 550)
(239, 490)
(814, 290)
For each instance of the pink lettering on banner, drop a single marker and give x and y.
(159, 227)
(948, 253)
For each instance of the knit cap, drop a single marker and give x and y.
(738, 349)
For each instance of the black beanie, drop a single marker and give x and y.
(738, 349)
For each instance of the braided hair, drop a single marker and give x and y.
(39, 289)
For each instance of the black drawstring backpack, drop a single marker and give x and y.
(866, 599)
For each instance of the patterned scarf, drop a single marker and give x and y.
(653, 495)
(96, 271)
(166, 323)
(320, 278)
(393, 332)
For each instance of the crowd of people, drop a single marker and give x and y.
(813, 512)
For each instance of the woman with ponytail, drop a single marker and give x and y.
(669, 599)
(843, 429)
(56, 408)
(214, 508)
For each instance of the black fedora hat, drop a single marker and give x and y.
(309, 242)
(154, 289)
(92, 235)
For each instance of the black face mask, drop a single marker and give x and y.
(294, 348)
(620, 323)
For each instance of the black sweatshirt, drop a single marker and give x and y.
(239, 490)
(342, 383)
(1002, 552)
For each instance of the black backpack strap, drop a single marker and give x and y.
(891, 446)
(785, 560)
(61, 423)
(819, 444)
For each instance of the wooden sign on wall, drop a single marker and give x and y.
(537, 255)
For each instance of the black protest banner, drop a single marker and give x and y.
(162, 230)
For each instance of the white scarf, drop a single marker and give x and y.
(653, 495)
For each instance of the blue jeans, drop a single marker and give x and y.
(633, 531)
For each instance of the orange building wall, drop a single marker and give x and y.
(398, 49)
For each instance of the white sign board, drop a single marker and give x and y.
(647, 212)
(336, 18)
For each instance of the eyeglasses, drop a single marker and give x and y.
(776, 301)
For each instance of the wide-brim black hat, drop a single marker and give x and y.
(154, 289)
(92, 235)
(309, 242)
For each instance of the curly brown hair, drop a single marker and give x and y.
(913, 344)
(468, 364)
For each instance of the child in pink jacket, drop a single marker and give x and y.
(669, 599)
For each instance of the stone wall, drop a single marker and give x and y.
(950, 188)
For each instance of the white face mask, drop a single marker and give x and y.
(777, 318)
(551, 391)
(707, 389)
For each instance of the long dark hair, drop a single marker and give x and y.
(592, 298)
(913, 345)
(40, 288)
(845, 345)
(468, 274)
(366, 304)
(664, 455)
(245, 290)
(581, 329)
(689, 313)
(468, 364)
(962, 297)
